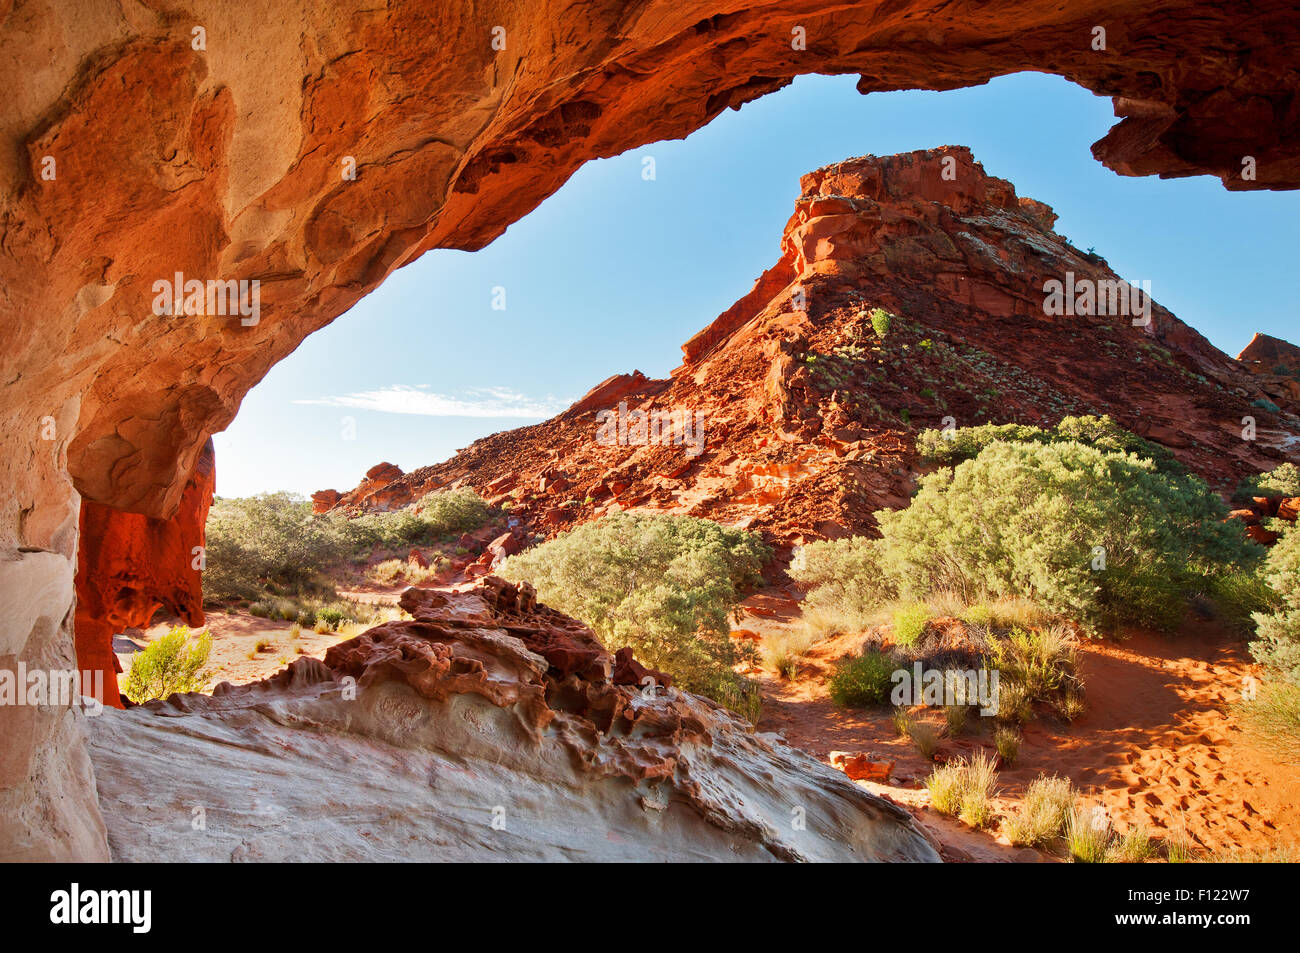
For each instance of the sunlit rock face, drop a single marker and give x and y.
(489, 728)
(129, 565)
(302, 151)
(803, 427)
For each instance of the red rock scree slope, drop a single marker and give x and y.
(806, 418)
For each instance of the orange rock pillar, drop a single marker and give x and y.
(129, 564)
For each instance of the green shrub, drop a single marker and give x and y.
(964, 443)
(881, 322)
(273, 541)
(910, 621)
(1044, 662)
(1025, 520)
(1102, 433)
(1282, 480)
(1278, 632)
(453, 511)
(844, 580)
(331, 616)
(167, 665)
(261, 540)
(863, 681)
(1239, 596)
(661, 585)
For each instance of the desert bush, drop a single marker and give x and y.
(453, 511)
(965, 789)
(863, 681)
(1043, 661)
(910, 621)
(167, 665)
(881, 322)
(259, 541)
(1026, 520)
(274, 542)
(661, 585)
(1278, 632)
(1282, 480)
(1102, 433)
(951, 447)
(1239, 596)
(1043, 814)
(844, 580)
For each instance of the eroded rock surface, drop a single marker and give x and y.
(314, 148)
(129, 565)
(488, 728)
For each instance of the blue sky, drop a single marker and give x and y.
(614, 272)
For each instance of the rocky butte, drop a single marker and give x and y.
(332, 143)
(806, 432)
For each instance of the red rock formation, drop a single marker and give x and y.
(809, 419)
(348, 140)
(147, 141)
(1277, 365)
(129, 565)
(322, 501)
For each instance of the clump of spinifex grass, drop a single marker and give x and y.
(965, 789)
(1043, 814)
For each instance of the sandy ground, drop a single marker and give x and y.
(236, 657)
(1158, 746)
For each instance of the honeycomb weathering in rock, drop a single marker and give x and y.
(450, 738)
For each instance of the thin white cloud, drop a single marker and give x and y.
(475, 402)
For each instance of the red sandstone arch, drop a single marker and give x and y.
(227, 162)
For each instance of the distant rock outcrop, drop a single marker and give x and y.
(802, 418)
